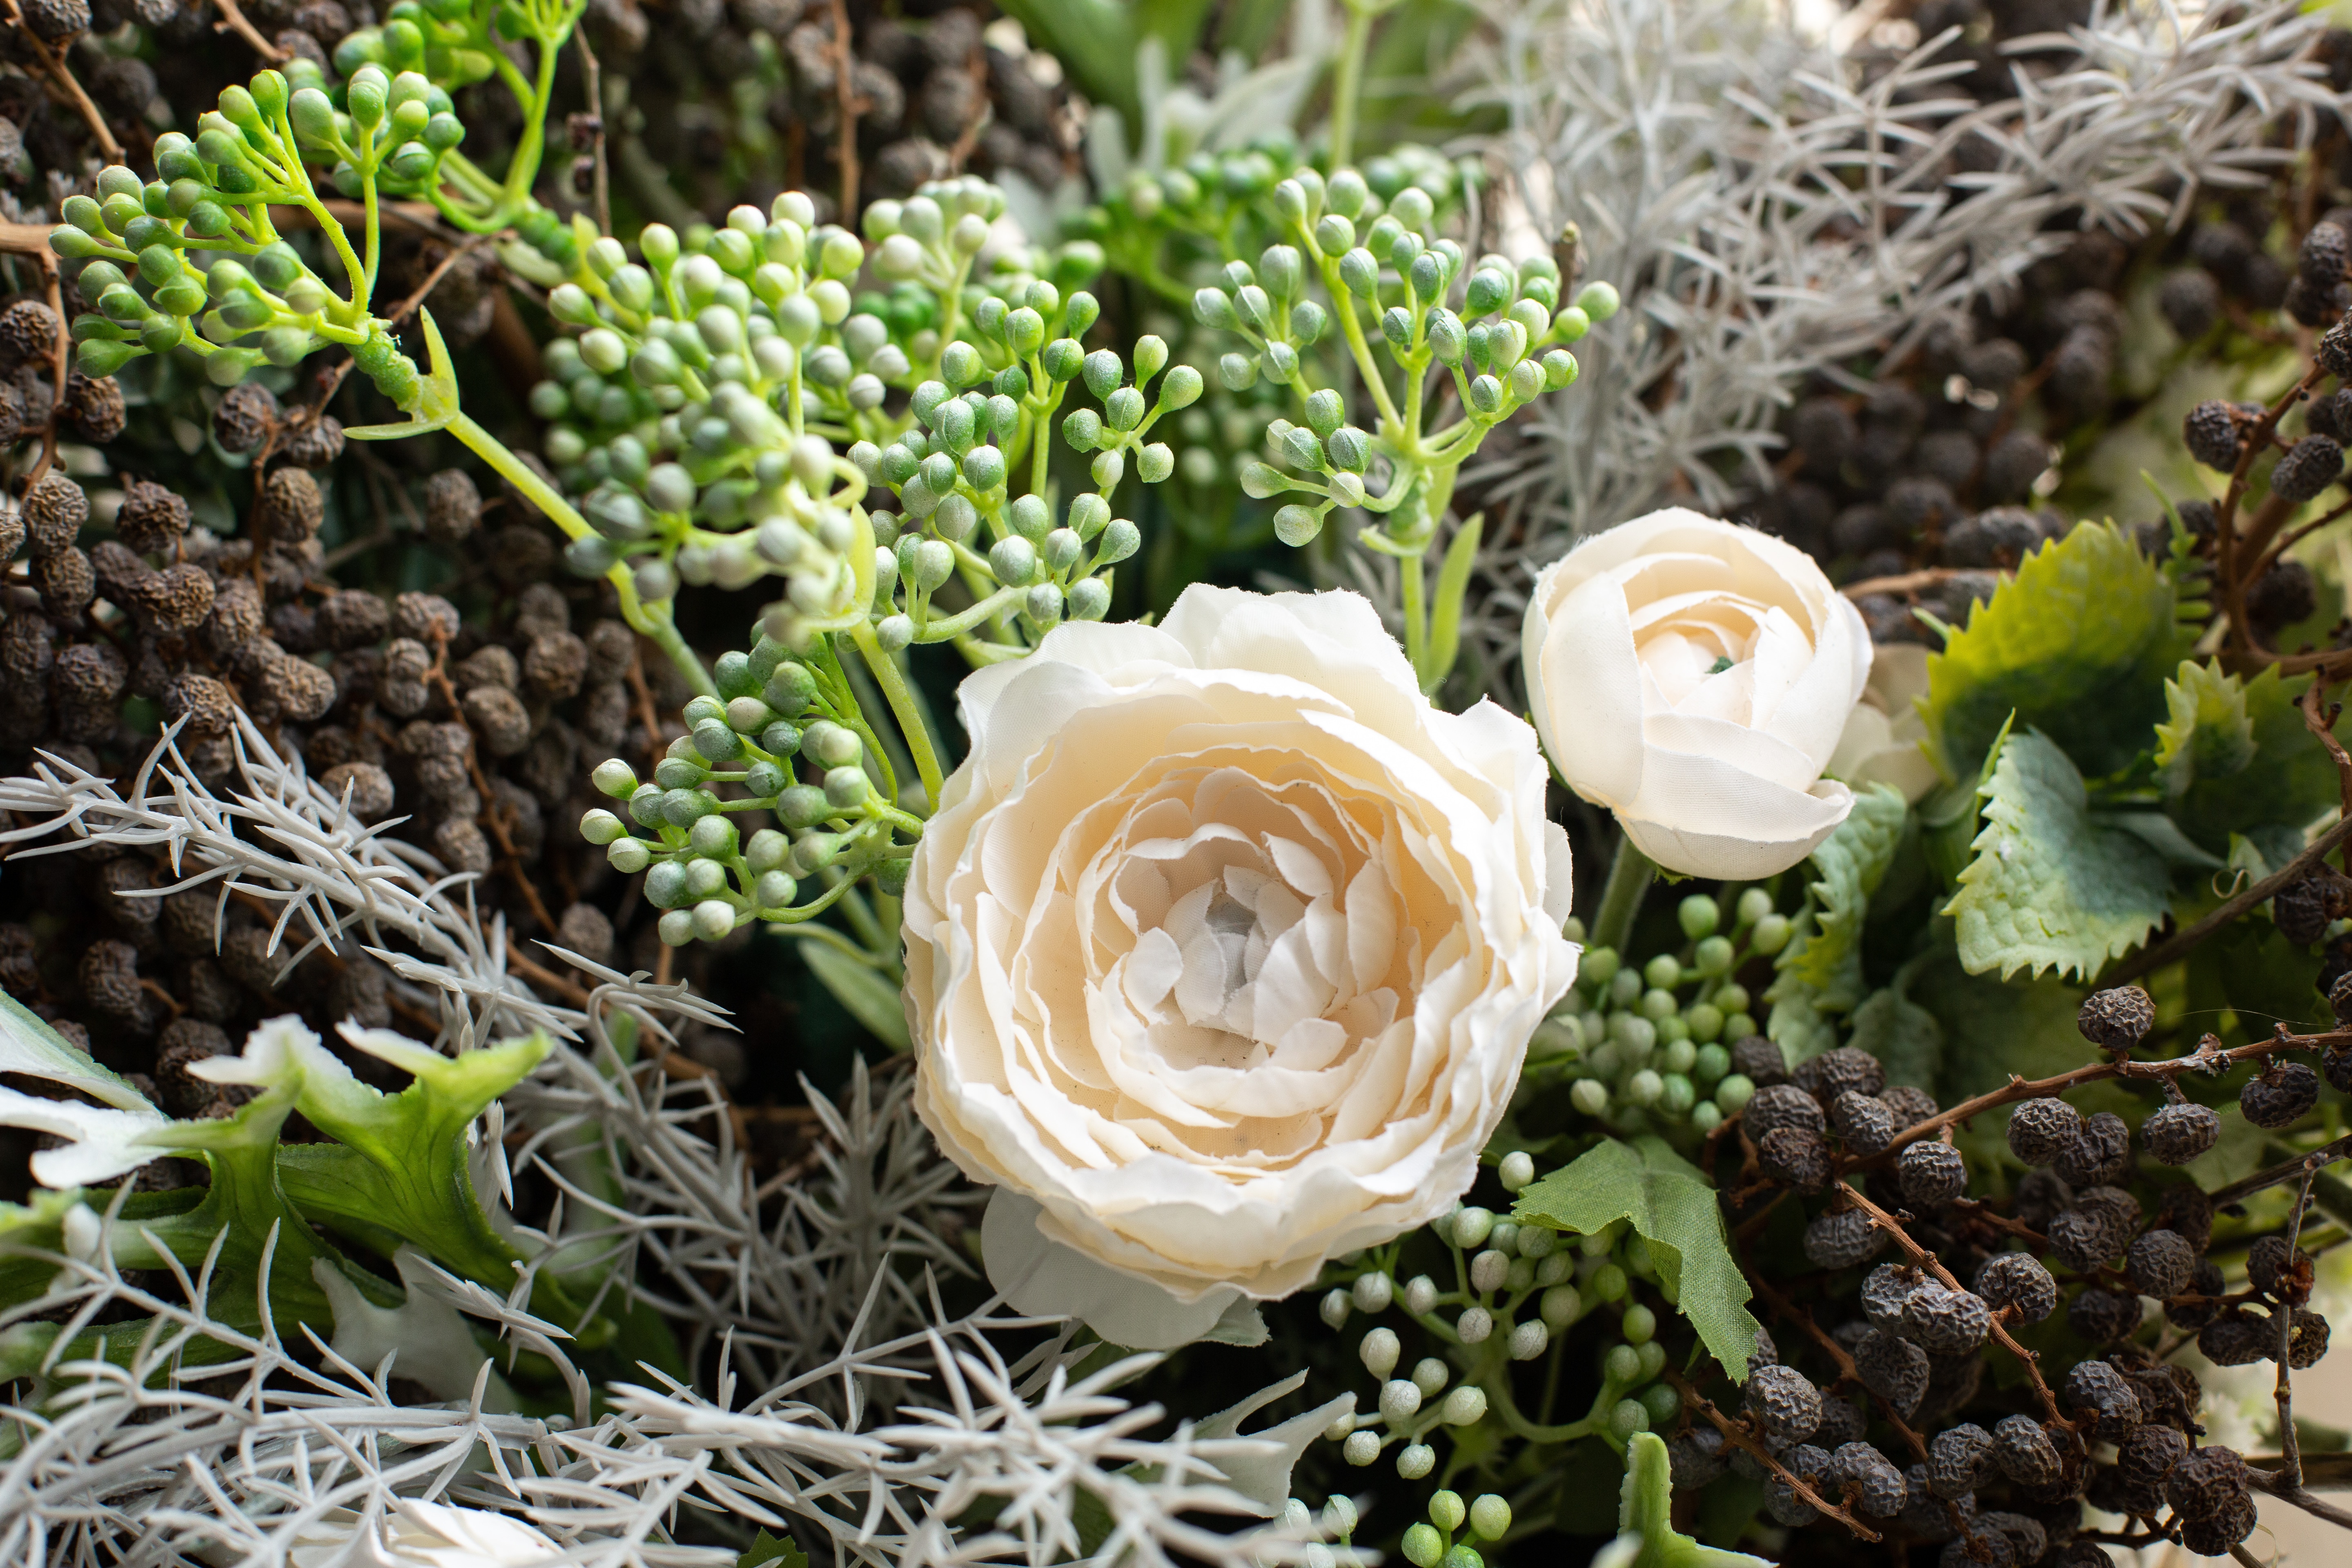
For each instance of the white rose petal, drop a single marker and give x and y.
(1695, 677)
(414, 1534)
(1885, 736)
(1223, 951)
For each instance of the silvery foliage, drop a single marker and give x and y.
(848, 1406)
(1771, 209)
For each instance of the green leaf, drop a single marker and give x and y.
(29, 1047)
(1645, 1514)
(767, 1551)
(1821, 969)
(1903, 1036)
(2249, 969)
(2235, 756)
(2078, 643)
(868, 995)
(2050, 887)
(1670, 1207)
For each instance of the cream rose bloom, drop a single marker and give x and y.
(1694, 676)
(1223, 954)
(1885, 737)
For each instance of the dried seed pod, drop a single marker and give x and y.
(2017, 1280)
(585, 929)
(208, 706)
(462, 846)
(1864, 1125)
(1798, 1156)
(1784, 1402)
(2205, 1482)
(1908, 1106)
(2040, 1131)
(1761, 1060)
(2275, 1270)
(1835, 1072)
(291, 507)
(93, 408)
(498, 717)
(2176, 1135)
(2023, 1452)
(1810, 1464)
(1783, 1105)
(2082, 1239)
(425, 618)
(2098, 1153)
(554, 664)
(2160, 1263)
(28, 334)
(2102, 1317)
(369, 788)
(1959, 1460)
(1931, 1173)
(1884, 1292)
(350, 618)
(108, 973)
(153, 518)
(1844, 1239)
(2306, 1339)
(2096, 1387)
(1695, 1458)
(2211, 434)
(244, 418)
(2307, 470)
(1893, 1368)
(54, 512)
(2116, 1019)
(453, 506)
(313, 443)
(2237, 1338)
(65, 582)
(2280, 1095)
(1945, 1322)
(1875, 1484)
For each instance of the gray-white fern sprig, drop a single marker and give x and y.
(1773, 211)
(284, 839)
(881, 1446)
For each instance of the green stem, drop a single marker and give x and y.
(655, 621)
(1630, 874)
(1416, 619)
(1348, 83)
(903, 709)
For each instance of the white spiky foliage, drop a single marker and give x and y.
(1772, 210)
(847, 1407)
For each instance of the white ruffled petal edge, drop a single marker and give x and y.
(1041, 1278)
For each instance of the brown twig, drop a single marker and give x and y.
(2239, 1191)
(1922, 1258)
(233, 20)
(57, 355)
(2319, 1470)
(2257, 440)
(845, 97)
(593, 81)
(1739, 1437)
(2288, 1477)
(54, 64)
(2323, 729)
(2178, 946)
(2302, 1497)
(2209, 1057)
(1910, 582)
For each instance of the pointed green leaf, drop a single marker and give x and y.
(29, 1047)
(1670, 1207)
(767, 1551)
(2078, 643)
(2207, 733)
(1645, 1513)
(867, 996)
(2049, 887)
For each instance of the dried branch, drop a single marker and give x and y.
(1739, 1437)
(2174, 948)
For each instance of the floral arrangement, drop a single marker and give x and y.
(1115, 785)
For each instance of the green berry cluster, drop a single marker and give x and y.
(1518, 1289)
(1648, 1045)
(1432, 1545)
(774, 714)
(140, 240)
(699, 410)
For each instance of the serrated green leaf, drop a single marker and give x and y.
(2049, 886)
(1645, 1516)
(2076, 644)
(767, 1551)
(1669, 1204)
(2235, 756)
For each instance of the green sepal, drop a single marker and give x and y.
(1645, 1517)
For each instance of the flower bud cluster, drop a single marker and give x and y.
(1518, 1288)
(1651, 1044)
(254, 300)
(777, 724)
